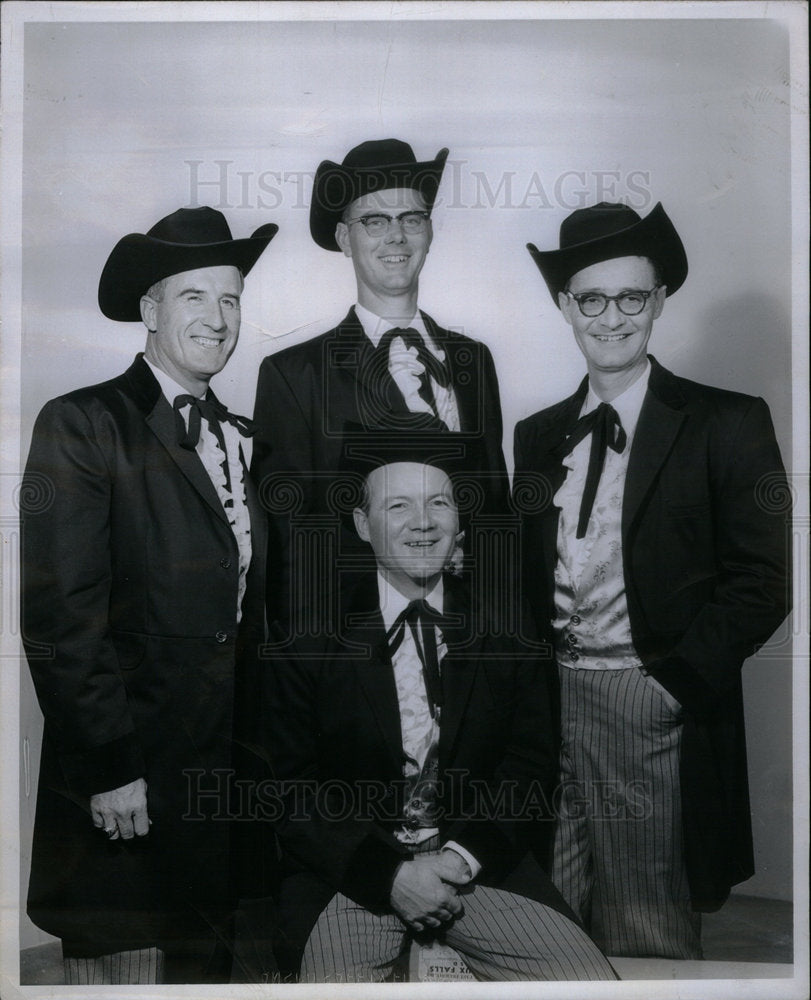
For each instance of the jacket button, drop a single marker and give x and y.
(225, 562)
(221, 637)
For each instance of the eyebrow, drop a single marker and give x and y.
(407, 496)
(202, 291)
(602, 291)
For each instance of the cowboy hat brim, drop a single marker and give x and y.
(138, 261)
(337, 186)
(654, 236)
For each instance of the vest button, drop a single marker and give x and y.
(576, 619)
(575, 657)
(221, 636)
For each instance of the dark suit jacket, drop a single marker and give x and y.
(333, 723)
(705, 553)
(130, 573)
(304, 397)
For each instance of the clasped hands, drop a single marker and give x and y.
(122, 811)
(424, 893)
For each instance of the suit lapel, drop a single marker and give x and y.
(255, 582)
(552, 471)
(160, 419)
(659, 423)
(161, 422)
(458, 360)
(459, 665)
(364, 639)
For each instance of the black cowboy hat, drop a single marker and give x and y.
(372, 166)
(602, 232)
(364, 449)
(187, 239)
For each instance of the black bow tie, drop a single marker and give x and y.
(420, 616)
(434, 368)
(216, 415)
(606, 430)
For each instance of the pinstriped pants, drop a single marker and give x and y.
(140, 967)
(502, 937)
(619, 827)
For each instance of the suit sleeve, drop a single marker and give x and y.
(325, 827)
(518, 794)
(66, 577)
(282, 468)
(519, 449)
(751, 595)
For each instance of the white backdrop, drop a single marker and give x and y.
(123, 122)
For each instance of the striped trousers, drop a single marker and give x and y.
(619, 832)
(138, 967)
(502, 937)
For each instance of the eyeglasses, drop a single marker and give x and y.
(629, 303)
(377, 224)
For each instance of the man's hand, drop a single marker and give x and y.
(452, 867)
(420, 898)
(121, 811)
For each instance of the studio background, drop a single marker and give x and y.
(125, 122)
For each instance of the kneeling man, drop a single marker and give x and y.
(413, 752)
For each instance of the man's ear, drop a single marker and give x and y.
(361, 523)
(659, 297)
(566, 303)
(342, 238)
(149, 313)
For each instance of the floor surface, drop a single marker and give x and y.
(750, 930)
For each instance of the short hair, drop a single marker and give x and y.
(157, 291)
(657, 271)
(365, 498)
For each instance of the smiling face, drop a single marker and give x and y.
(387, 267)
(194, 327)
(411, 523)
(613, 344)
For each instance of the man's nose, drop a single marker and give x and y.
(612, 318)
(394, 233)
(422, 518)
(214, 317)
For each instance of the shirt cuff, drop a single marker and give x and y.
(472, 863)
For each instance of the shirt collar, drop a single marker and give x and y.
(392, 602)
(628, 404)
(375, 326)
(169, 387)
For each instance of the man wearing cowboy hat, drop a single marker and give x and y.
(414, 749)
(387, 360)
(143, 594)
(656, 569)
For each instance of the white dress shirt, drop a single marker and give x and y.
(420, 731)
